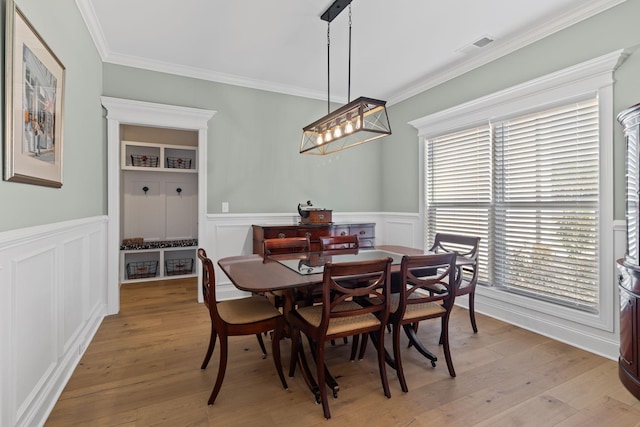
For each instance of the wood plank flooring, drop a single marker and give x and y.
(143, 369)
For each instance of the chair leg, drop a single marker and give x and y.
(447, 352)
(354, 347)
(321, 380)
(221, 369)
(382, 364)
(363, 346)
(472, 312)
(262, 347)
(295, 347)
(212, 344)
(275, 351)
(397, 357)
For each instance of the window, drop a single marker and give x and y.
(530, 171)
(533, 181)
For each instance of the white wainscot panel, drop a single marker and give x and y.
(35, 315)
(74, 255)
(403, 230)
(52, 300)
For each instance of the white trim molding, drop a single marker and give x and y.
(126, 111)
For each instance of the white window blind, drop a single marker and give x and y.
(529, 187)
(459, 187)
(546, 225)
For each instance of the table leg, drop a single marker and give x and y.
(413, 339)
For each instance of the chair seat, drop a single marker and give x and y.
(417, 311)
(313, 315)
(413, 311)
(247, 310)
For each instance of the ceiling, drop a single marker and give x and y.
(399, 47)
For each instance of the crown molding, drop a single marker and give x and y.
(586, 10)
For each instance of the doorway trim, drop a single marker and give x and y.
(129, 112)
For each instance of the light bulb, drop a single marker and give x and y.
(327, 136)
(337, 132)
(319, 139)
(348, 128)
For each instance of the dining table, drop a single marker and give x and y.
(293, 272)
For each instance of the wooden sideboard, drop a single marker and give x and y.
(365, 232)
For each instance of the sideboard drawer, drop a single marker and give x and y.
(363, 232)
(367, 243)
(340, 230)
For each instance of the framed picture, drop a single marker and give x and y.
(34, 89)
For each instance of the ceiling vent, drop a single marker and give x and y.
(483, 42)
(473, 47)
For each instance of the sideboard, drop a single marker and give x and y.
(365, 232)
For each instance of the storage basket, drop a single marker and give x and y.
(144, 160)
(175, 267)
(178, 163)
(142, 269)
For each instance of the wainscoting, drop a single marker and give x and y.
(52, 300)
(231, 234)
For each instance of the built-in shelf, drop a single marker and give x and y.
(158, 261)
(146, 156)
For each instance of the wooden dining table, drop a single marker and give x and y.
(299, 271)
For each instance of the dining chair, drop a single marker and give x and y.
(244, 316)
(337, 245)
(466, 249)
(331, 243)
(340, 316)
(284, 245)
(422, 298)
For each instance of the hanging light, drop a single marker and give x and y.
(359, 121)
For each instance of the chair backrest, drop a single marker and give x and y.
(466, 247)
(286, 245)
(332, 243)
(208, 283)
(373, 278)
(440, 287)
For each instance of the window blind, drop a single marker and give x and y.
(528, 186)
(459, 187)
(546, 207)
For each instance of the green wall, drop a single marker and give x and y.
(616, 28)
(253, 160)
(83, 193)
(253, 146)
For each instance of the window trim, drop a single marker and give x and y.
(590, 78)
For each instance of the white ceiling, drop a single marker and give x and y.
(399, 47)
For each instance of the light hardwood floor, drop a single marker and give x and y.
(143, 369)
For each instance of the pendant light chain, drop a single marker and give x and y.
(349, 77)
(328, 67)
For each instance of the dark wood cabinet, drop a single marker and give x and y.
(629, 267)
(365, 231)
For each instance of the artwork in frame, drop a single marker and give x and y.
(34, 88)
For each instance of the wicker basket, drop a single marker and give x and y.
(142, 269)
(178, 163)
(174, 267)
(144, 160)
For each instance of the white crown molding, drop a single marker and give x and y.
(88, 13)
(493, 52)
(497, 50)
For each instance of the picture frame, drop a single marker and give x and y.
(34, 89)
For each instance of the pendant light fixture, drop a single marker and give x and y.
(359, 121)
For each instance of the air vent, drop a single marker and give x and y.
(483, 42)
